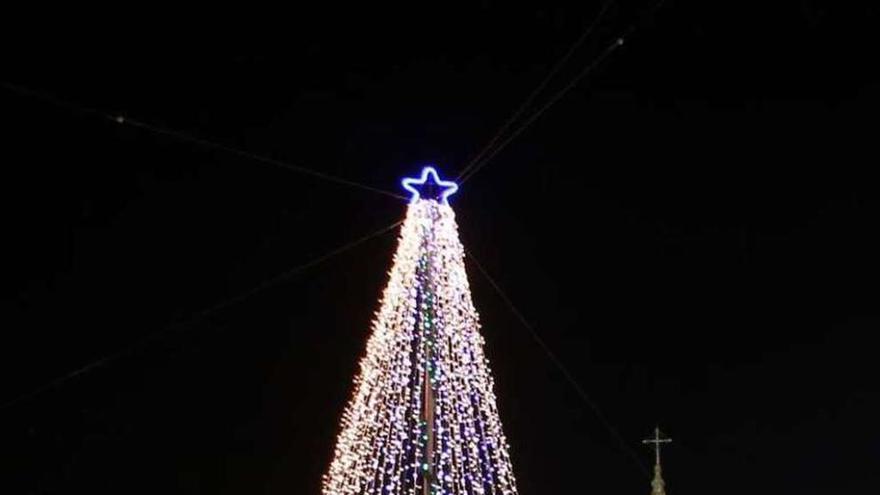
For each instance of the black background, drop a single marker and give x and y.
(693, 230)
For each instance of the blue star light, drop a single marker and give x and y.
(423, 188)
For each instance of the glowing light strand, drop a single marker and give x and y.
(425, 346)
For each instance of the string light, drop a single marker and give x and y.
(423, 418)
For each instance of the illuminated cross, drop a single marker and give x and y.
(429, 186)
(658, 486)
(658, 442)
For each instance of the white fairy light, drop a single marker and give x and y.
(423, 417)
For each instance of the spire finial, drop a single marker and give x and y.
(657, 485)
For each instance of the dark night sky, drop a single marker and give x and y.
(693, 230)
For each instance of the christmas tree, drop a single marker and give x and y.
(423, 418)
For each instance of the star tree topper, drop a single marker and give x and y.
(429, 186)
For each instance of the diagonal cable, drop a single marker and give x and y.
(195, 317)
(617, 43)
(191, 139)
(624, 446)
(534, 94)
(614, 45)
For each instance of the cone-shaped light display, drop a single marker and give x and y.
(423, 418)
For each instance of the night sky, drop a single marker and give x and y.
(693, 230)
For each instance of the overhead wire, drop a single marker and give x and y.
(556, 97)
(538, 89)
(121, 119)
(618, 41)
(482, 159)
(195, 317)
(569, 377)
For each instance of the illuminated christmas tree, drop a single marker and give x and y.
(423, 418)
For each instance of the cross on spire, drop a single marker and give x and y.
(658, 442)
(657, 485)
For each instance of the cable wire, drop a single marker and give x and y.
(188, 138)
(195, 317)
(534, 94)
(624, 446)
(556, 97)
(617, 43)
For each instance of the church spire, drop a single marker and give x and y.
(657, 484)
